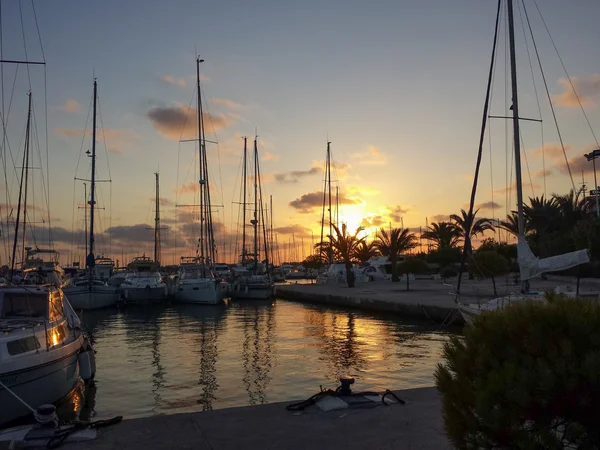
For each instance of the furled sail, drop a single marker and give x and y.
(531, 266)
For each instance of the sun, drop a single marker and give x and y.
(353, 216)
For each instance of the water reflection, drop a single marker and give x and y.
(181, 358)
(258, 331)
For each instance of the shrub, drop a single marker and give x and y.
(412, 265)
(526, 376)
(489, 264)
(448, 272)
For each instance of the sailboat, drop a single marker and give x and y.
(41, 342)
(196, 282)
(530, 266)
(92, 291)
(251, 279)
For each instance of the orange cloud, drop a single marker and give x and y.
(179, 121)
(308, 202)
(585, 88)
(174, 81)
(268, 156)
(71, 106)
(116, 140)
(229, 104)
(371, 156)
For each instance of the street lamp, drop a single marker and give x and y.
(591, 156)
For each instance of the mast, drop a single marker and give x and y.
(27, 146)
(244, 204)
(23, 176)
(271, 244)
(200, 159)
(157, 255)
(329, 190)
(85, 216)
(515, 110)
(90, 262)
(255, 221)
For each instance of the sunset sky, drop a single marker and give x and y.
(397, 87)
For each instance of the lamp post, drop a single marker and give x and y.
(591, 156)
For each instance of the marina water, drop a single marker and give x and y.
(182, 358)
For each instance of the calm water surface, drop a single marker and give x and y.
(183, 358)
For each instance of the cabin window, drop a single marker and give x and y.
(22, 345)
(20, 304)
(56, 335)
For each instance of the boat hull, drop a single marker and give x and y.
(38, 385)
(99, 297)
(250, 292)
(204, 292)
(144, 295)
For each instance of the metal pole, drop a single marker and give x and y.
(596, 187)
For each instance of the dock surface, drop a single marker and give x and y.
(426, 299)
(415, 425)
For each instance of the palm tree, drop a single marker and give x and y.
(468, 227)
(442, 234)
(572, 207)
(366, 250)
(325, 251)
(391, 245)
(511, 224)
(346, 246)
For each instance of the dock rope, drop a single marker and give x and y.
(301, 406)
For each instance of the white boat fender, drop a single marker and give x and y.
(87, 362)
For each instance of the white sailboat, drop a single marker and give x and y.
(91, 291)
(143, 283)
(41, 343)
(251, 280)
(530, 266)
(196, 282)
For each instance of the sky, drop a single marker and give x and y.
(396, 87)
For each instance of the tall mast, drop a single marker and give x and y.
(244, 204)
(200, 158)
(157, 255)
(85, 216)
(23, 177)
(271, 245)
(329, 191)
(27, 145)
(255, 221)
(515, 110)
(92, 202)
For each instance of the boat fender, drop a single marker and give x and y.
(246, 290)
(274, 290)
(85, 365)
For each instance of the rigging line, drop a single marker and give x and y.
(562, 144)
(507, 168)
(104, 139)
(24, 43)
(212, 125)
(537, 97)
(38, 31)
(44, 178)
(566, 72)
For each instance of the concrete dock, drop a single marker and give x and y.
(426, 299)
(415, 425)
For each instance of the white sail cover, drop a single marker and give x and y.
(531, 266)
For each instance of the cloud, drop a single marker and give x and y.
(169, 79)
(179, 121)
(440, 218)
(585, 88)
(117, 140)
(372, 221)
(372, 156)
(395, 213)
(308, 202)
(268, 156)
(229, 104)
(362, 190)
(295, 176)
(488, 205)
(71, 106)
(541, 173)
(528, 188)
(191, 186)
(297, 230)
(578, 163)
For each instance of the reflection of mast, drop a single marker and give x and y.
(157, 257)
(208, 361)
(257, 352)
(158, 377)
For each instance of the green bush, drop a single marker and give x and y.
(526, 376)
(448, 272)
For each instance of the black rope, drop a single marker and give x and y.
(60, 437)
(301, 406)
(479, 152)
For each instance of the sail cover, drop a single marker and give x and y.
(531, 266)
